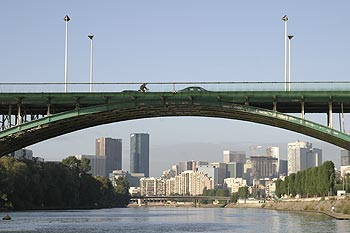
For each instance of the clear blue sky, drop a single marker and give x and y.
(180, 40)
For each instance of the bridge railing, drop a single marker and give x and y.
(174, 86)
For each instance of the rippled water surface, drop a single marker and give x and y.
(171, 220)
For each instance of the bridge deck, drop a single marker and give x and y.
(286, 102)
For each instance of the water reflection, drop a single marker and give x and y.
(171, 220)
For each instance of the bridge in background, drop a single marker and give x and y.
(31, 113)
(164, 199)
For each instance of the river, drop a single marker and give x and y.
(171, 220)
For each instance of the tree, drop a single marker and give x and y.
(309, 181)
(222, 193)
(243, 192)
(53, 181)
(209, 192)
(313, 181)
(255, 192)
(291, 182)
(298, 183)
(328, 177)
(286, 186)
(121, 185)
(122, 191)
(27, 185)
(79, 166)
(234, 197)
(278, 191)
(89, 192)
(15, 182)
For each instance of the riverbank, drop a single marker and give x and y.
(338, 209)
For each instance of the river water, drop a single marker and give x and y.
(161, 219)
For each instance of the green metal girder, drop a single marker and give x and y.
(159, 105)
(287, 102)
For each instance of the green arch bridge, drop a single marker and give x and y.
(35, 115)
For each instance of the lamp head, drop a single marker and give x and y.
(66, 18)
(91, 36)
(285, 18)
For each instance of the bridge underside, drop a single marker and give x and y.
(148, 106)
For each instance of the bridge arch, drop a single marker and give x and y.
(62, 123)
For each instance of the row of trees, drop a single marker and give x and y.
(243, 193)
(316, 181)
(214, 193)
(65, 185)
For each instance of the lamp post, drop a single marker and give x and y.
(66, 18)
(91, 46)
(285, 19)
(289, 42)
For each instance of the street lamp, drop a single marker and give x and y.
(289, 42)
(285, 19)
(66, 18)
(91, 44)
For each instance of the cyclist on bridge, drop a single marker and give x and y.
(143, 87)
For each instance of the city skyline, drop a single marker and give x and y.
(176, 41)
(262, 151)
(301, 156)
(216, 152)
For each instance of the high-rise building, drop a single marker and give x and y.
(235, 170)
(345, 158)
(170, 187)
(274, 152)
(97, 164)
(176, 169)
(139, 153)
(211, 171)
(314, 158)
(198, 163)
(189, 165)
(222, 172)
(112, 149)
(264, 166)
(22, 154)
(248, 171)
(297, 152)
(185, 166)
(189, 183)
(234, 156)
(301, 156)
(283, 167)
(151, 186)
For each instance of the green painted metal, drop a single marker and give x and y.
(287, 102)
(115, 107)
